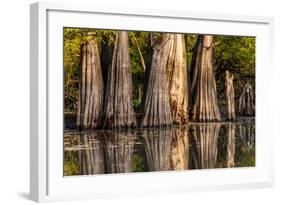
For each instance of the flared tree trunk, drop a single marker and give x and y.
(246, 101)
(157, 143)
(205, 137)
(91, 157)
(179, 158)
(230, 96)
(178, 79)
(119, 111)
(119, 148)
(231, 145)
(203, 90)
(157, 110)
(91, 88)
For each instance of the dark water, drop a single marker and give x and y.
(194, 146)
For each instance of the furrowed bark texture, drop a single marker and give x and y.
(231, 145)
(178, 79)
(203, 88)
(157, 110)
(179, 158)
(119, 148)
(157, 144)
(230, 96)
(246, 101)
(90, 153)
(119, 111)
(205, 137)
(91, 89)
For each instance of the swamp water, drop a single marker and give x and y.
(193, 146)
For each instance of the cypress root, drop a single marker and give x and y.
(246, 101)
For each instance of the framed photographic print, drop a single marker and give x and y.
(127, 101)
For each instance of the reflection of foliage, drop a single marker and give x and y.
(71, 164)
(138, 163)
(246, 158)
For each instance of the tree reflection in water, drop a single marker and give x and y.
(194, 146)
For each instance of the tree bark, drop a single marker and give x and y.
(203, 88)
(91, 88)
(230, 96)
(178, 79)
(157, 110)
(246, 101)
(119, 111)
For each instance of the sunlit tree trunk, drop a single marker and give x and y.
(157, 143)
(178, 79)
(179, 158)
(119, 111)
(230, 96)
(203, 89)
(246, 101)
(91, 88)
(231, 145)
(157, 110)
(119, 148)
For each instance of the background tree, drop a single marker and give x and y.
(230, 96)
(119, 111)
(246, 101)
(203, 90)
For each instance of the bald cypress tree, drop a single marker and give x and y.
(91, 87)
(203, 87)
(178, 79)
(119, 111)
(157, 110)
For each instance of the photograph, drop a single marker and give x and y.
(147, 101)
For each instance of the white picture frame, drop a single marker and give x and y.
(46, 71)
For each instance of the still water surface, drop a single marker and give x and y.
(193, 146)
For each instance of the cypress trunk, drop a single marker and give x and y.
(157, 110)
(119, 111)
(178, 79)
(91, 88)
(246, 101)
(203, 88)
(230, 96)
